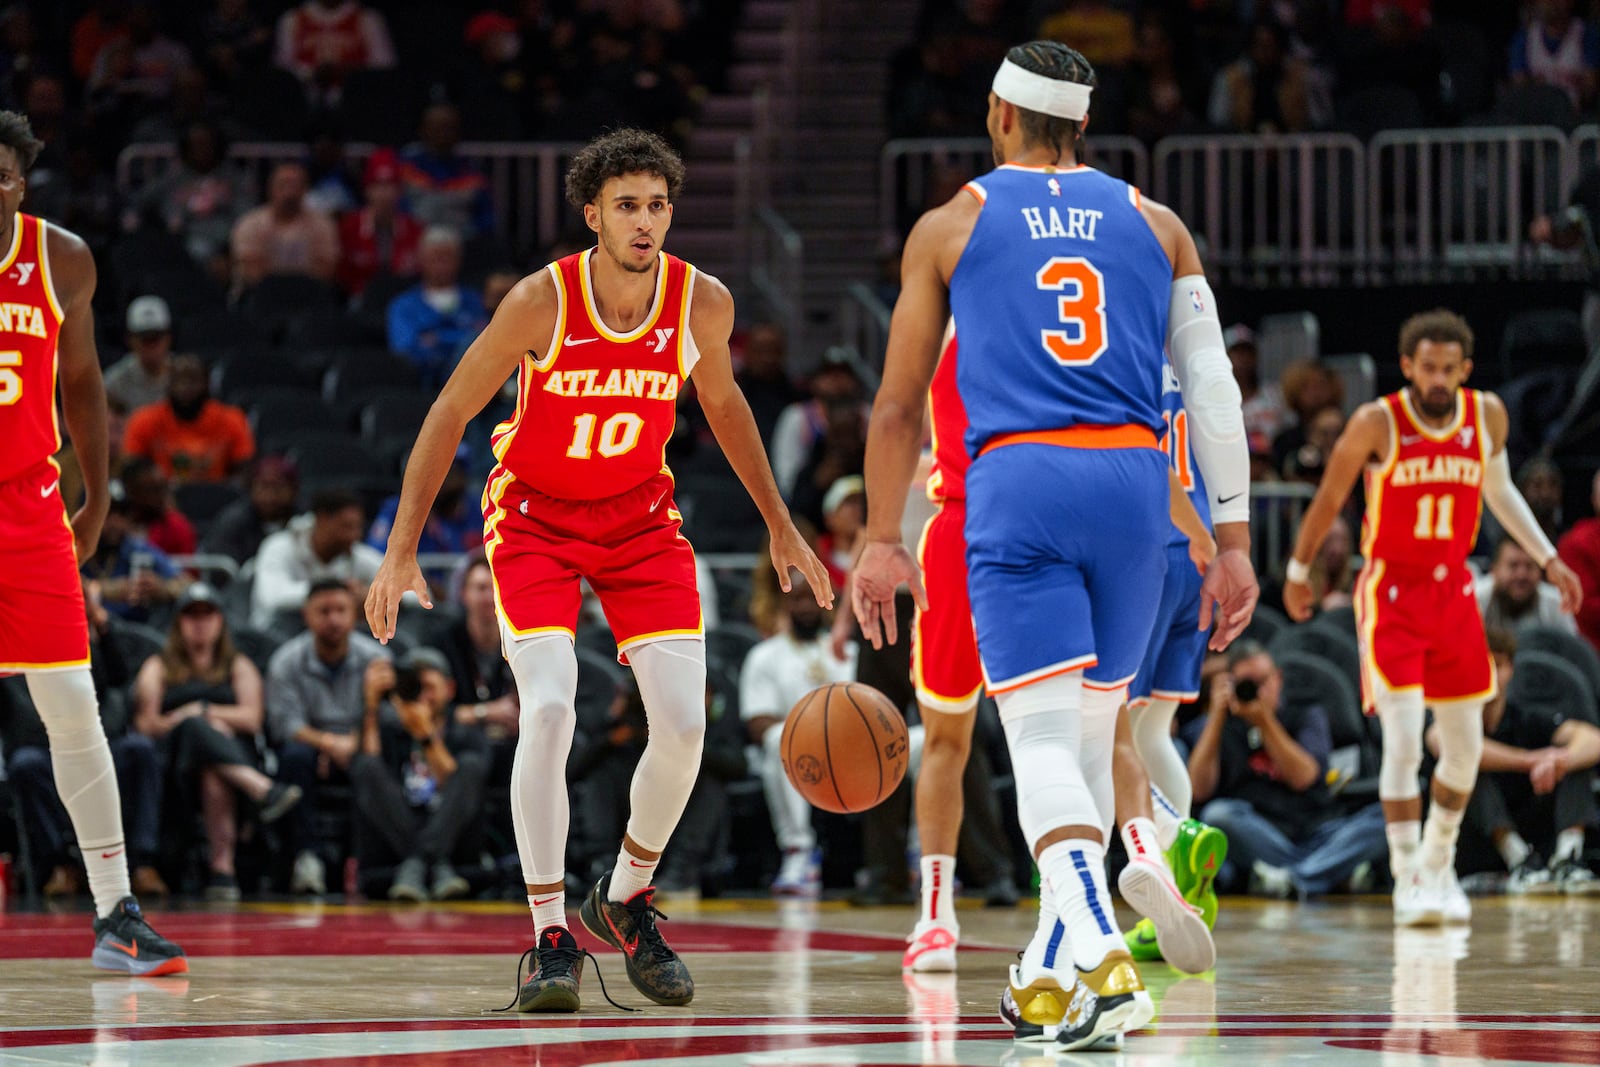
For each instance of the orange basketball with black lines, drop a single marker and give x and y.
(845, 747)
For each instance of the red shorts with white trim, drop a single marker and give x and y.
(42, 621)
(944, 649)
(1421, 630)
(629, 548)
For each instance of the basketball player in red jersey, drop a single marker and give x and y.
(47, 279)
(603, 341)
(1432, 453)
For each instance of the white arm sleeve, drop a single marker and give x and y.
(1211, 397)
(1506, 502)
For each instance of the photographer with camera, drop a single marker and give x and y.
(418, 778)
(1261, 765)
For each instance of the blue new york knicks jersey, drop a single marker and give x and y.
(1060, 299)
(1175, 443)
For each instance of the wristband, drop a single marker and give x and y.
(1297, 572)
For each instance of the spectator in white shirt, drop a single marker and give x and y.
(323, 544)
(776, 674)
(1512, 594)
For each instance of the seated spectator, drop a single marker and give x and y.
(1164, 91)
(152, 511)
(380, 236)
(1558, 48)
(844, 521)
(1264, 411)
(199, 201)
(1266, 90)
(418, 781)
(442, 189)
(1258, 768)
(104, 22)
(191, 436)
(133, 575)
(322, 41)
(764, 377)
(1308, 387)
(134, 756)
(157, 59)
(324, 545)
(1543, 487)
(486, 692)
(331, 185)
(454, 523)
(238, 530)
(1333, 572)
(1535, 791)
(319, 685)
(1306, 463)
(201, 699)
(139, 378)
(284, 235)
(1514, 593)
(776, 674)
(803, 423)
(435, 320)
(81, 196)
(1579, 548)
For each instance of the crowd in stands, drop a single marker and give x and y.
(1173, 67)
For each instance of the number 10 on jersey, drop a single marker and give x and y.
(618, 435)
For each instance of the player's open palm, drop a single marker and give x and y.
(396, 577)
(1562, 578)
(1228, 597)
(878, 573)
(789, 549)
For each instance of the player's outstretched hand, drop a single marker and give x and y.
(1229, 588)
(1297, 597)
(395, 578)
(1562, 578)
(878, 573)
(789, 549)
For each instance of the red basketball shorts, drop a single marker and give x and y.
(628, 547)
(42, 621)
(944, 648)
(1421, 630)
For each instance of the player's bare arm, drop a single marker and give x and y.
(1365, 440)
(1202, 548)
(83, 393)
(1505, 501)
(728, 414)
(526, 317)
(894, 437)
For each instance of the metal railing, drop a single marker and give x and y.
(864, 324)
(525, 177)
(777, 271)
(1275, 512)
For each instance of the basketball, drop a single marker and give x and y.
(844, 747)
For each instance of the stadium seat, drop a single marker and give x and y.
(1341, 620)
(1469, 71)
(272, 302)
(1368, 111)
(237, 375)
(1533, 104)
(396, 413)
(329, 327)
(334, 458)
(719, 515)
(382, 104)
(135, 642)
(200, 502)
(1325, 642)
(1542, 339)
(1265, 624)
(1535, 403)
(276, 410)
(1569, 647)
(354, 378)
(1547, 681)
(255, 644)
(599, 678)
(271, 102)
(1310, 680)
(730, 643)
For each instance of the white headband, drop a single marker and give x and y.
(1049, 96)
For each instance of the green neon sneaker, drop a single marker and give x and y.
(1196, 858)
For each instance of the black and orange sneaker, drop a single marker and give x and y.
(125, 942)
(552, 984)
(653, 968)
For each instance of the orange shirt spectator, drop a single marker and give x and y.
(189, 435)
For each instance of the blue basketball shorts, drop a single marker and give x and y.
(1171, 668)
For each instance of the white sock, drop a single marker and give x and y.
(1143, 841)
(1439, 835)
(1078, 875)
(549, 909)
(1405, 841)
(1050, 948)
(1513, 849)
(938, 890)
(1569, 843)
(630, 875)
(1167, 819)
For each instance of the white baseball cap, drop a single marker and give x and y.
(149, 314)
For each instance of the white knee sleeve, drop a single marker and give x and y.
(546, 670)
(1401, 716)
(672, 681)
(1151, 723)
(1460, 726)
(1042, 724)
(1095, 747)
(85, 777)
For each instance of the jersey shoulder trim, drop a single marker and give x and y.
(560, 331)
(44, 270)
(977, 192)
(688, 351)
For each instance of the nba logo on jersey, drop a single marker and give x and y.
(1055, 187)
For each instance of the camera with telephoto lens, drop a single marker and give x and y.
(407, 684)
(1245, 689)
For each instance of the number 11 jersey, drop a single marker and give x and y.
(594, 413)
(1424, 498)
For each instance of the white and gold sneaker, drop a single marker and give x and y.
(1111, 999)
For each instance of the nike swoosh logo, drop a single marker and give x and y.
(568, 341)
(1226, 499)
(109, 855)
(47, 490)
(132, 948)
(653, 507)
(631, 863)
(546, 900)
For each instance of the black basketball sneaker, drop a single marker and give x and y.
(653, 968)
(125, 942)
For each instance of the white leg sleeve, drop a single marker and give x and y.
(86, 780)
(1098, 739)
(1042, 725)
(1460, 726)
(1151, 723)
(546, 670)
(672, 681)
(1401, 715)
(791, 815)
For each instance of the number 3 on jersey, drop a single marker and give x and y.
(1081, 308)
(618, 435)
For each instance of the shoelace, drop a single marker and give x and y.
(517, 990)
(652, 946)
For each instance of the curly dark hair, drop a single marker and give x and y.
(1441, 326)
(16, 133)
(1053, 60)
(624, 151)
